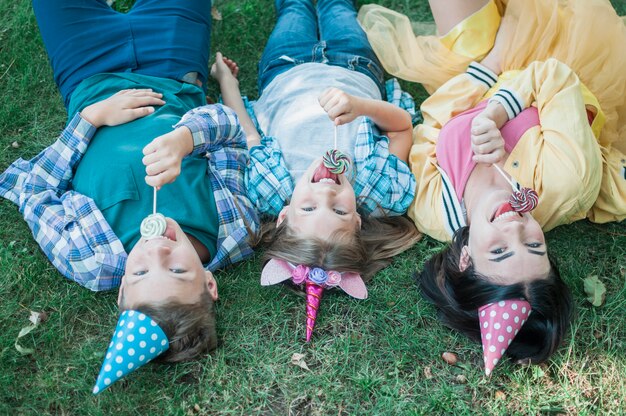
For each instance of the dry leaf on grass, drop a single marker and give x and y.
(500, 395)
(23, 332)
(216, 14)
(15, 145)
(427, 372)
(595, 290)
(298, 359)
(35, 318)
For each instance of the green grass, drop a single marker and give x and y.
(379, 356)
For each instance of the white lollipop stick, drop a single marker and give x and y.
(154, 199)
(505, 176)
(335, 136)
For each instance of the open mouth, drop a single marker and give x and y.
(505, 210)
(170, 231)
(323, 175)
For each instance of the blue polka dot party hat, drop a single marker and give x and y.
(137, 340)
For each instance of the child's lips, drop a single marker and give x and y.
(502, 209)
(322, 172)
(170, 230)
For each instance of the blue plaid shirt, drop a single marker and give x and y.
(383, 184)
(72, 231)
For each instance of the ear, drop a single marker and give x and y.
(211, 285)
(282, 215)
(120, 292)
(358, 220)
(275, 271)
(464, 260)
(353, 285)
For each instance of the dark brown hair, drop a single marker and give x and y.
(457, 295)
(190, 327)
(364, 251)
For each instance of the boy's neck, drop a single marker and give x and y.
(201, 249)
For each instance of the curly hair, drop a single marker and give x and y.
(457, 295)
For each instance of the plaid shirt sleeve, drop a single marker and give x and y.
(268, 181)
(384, 184)
(68, 226)
(218, 134)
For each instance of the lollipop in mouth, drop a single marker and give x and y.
(336, 161)
(524, 200)
(154, 225)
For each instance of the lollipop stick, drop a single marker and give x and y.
(505, 176)
(335, 136)
(154, 200)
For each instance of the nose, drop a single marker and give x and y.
(514, 229)
(159, 250)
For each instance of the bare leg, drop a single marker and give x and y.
(449, 13)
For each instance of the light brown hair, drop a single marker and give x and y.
(364, 251)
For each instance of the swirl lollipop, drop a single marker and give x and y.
(524, 200)
(336, 161)
(152, 226)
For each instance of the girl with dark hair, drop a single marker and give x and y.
(525, 88)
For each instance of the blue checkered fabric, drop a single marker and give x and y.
(72, 231)
(383, 184)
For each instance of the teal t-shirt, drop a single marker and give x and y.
(112, 174)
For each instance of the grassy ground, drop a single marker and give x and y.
(379, 356)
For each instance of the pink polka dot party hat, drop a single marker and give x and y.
(499, 324)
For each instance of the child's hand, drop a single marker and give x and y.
(163, 156)
(224, 69)
(122, 107)
(340, 106)
(487, 141)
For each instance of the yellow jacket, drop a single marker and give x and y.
(560, 159)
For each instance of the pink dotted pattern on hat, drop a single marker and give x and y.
(499, 324)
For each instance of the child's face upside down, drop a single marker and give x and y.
(322, 203)
(166, 267)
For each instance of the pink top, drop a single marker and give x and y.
(454, 151)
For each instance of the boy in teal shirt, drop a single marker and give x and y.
(137, 122)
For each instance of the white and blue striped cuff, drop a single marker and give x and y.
(482, 74)
(510, 100)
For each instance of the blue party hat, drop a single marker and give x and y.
(137, 340)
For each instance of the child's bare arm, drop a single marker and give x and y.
(225, 72)
(343, 108)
